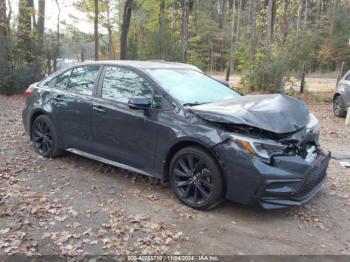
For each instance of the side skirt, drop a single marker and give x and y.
(107, 161)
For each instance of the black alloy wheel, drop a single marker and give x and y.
(44, 137)
(196, 178)
(339, 106)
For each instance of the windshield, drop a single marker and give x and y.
(190, 87)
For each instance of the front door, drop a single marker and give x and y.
(121, 134)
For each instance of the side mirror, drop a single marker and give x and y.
(139, 102)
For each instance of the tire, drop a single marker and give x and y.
(44, 137)
(339, 107)
(196, 178)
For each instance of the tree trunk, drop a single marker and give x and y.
(299, 15)
(9, 15)
(24, 41)
(306, 14)
(41, 23)
(334, 12)
(269, 31)
(82, 55)
(38, 60)
(31, 10)
(109, 28)
(57, 47)
(302, 82)
(222, 10)
(185, 21)
(232, 37)
(4, 43)
(125, 28)
(96, 31)
(285, 22)
(161, 28)
(253, 42)
(238, 19)
(48, 63)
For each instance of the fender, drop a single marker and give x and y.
(178, 144)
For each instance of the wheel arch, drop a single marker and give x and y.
(336, 95)
(180, 145)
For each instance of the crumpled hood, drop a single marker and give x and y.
(277, 113)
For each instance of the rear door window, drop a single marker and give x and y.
(60, 82)
(82, 80)
(79, 80)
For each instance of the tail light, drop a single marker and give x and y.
(28, 92)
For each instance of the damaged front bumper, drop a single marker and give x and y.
(286, 181)
(276, 194)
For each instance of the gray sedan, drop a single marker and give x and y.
(172, 122)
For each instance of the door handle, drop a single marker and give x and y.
(59, 98)
(99, 109)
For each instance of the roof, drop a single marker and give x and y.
(147, 64)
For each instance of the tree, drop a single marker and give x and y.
(38, 40)
(125, 28)
(185, 7)
(263, 39)
(24, 41)
(230, 65)
(161, 28)
(109, 29)
(58, 32)
(221, 13)
(253, 11)
(96, 30)
(269, 29)
(41, 23)
(4, 43)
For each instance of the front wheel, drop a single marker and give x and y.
(339, 106)
(44, 137)
(196, 178)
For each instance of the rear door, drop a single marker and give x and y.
(72, 106)
(121, 134)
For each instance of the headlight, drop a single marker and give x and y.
(267, 150)
(312, 122)
(260, 147)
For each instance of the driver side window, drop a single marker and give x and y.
(121, 84)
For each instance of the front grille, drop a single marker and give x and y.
(316, 175)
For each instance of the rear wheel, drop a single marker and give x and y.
(339, 107)
(196, 178)
(44, 137)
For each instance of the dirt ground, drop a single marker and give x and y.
(73, 205)
(312, 84)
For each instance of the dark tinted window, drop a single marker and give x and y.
(347, 77)
(61, 81)
(82, 80)
(120, 84)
